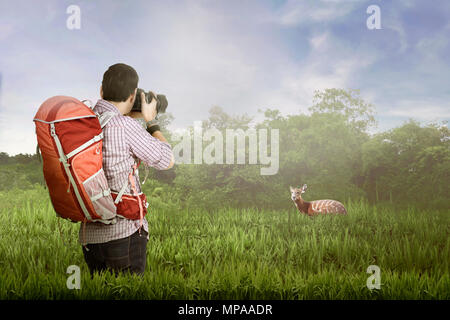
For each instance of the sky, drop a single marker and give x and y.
(237, 54)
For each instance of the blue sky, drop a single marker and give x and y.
(240, 55)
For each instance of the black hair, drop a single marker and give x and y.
(119, 82)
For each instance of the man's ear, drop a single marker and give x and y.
(101, 91)
(133, 96)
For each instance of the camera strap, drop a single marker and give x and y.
(125, 185)
(132, 178)
(146, 173)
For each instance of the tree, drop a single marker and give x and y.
(356, 111)
(4, 158)
(220, 120)
(408, 164)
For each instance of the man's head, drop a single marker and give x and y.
(119, 85)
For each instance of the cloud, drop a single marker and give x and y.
(433, 50)
(394, 23)
(195, 58)
(17, 135)
(201, 61)
(6, 30)
(320, 41)
(331, 63)
(424, 110)
(242, 56)
(295, 12)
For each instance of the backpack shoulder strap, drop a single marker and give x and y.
(105, 117)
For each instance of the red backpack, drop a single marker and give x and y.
(70, 139)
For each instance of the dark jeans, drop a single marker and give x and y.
(122, 255)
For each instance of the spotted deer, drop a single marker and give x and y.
(315, 207)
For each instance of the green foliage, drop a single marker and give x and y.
(409, 164)
(20, 172)
(358, 113)
(227, 232)
(329, 149)
(321, 151)
(220, 120)
(233, 253)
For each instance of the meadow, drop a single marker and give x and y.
(233, 253)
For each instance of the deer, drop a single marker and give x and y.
(316, 207)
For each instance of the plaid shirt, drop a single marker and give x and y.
(125, 142)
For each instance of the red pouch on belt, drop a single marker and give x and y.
(128, 207)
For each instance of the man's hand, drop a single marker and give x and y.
(148, 109)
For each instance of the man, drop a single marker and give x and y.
(122, 246)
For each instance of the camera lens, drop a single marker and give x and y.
(161, 104)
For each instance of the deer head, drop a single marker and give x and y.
(296, 193)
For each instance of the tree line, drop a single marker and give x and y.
(330, 149)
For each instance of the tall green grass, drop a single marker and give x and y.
(233, 254)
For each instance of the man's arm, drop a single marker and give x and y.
(158, 135)
(148, 112)
(151, 150)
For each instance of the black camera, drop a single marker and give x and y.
(161, 101)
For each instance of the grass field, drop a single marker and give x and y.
(233, 254)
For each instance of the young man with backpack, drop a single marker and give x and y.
(121, 246)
